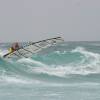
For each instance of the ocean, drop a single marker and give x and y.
(66, 71)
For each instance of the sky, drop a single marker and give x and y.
(34, 20)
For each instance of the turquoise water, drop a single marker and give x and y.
(67, 71)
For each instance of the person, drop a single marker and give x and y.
(14, 47)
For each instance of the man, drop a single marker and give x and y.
(14, 47)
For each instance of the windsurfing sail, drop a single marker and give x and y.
(28, 49)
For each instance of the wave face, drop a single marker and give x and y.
(64, 63)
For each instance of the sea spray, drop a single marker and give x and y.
(67, 71)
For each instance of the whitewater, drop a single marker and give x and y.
(66, 71)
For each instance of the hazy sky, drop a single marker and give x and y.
(24, 20)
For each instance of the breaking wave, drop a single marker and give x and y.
(77, 64)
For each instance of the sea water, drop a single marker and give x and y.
(66, 71)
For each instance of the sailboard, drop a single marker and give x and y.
(28, 49)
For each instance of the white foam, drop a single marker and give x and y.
(53, 71)
(62, 71)
(86, 53)
(11, 79)
(18, 80)
(42, 68)
(3, 52)
(59, 52)
(90, 64)
(31, 61)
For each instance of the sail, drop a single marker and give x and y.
(28, 49)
